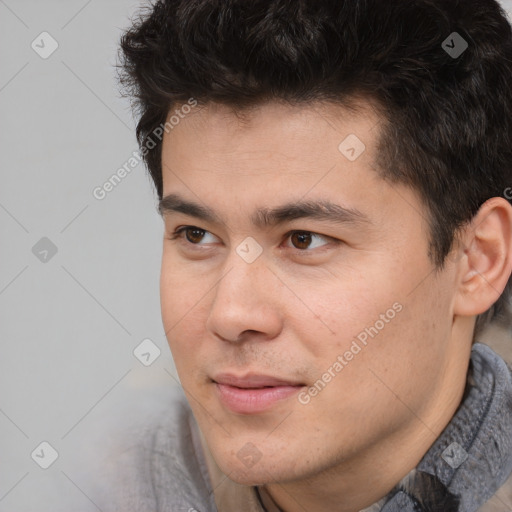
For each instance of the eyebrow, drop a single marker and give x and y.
(269, 217)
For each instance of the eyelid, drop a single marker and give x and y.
(313, 233)
(177, 234)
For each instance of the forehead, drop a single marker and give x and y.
(277, 162)
(272, 126)
(275, 148)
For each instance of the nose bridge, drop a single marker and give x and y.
(242, 297)
(245, 264)
(243, 277)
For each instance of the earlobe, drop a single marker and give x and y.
(487, 266)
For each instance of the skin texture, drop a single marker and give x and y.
(297, 307)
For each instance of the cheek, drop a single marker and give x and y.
(391, 376)
(382, 321)
(183, 284)
(182, 299)
(403, 357)
(346, 309)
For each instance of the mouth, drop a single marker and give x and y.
(253, 394)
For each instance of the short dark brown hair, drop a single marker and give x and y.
(440, 71)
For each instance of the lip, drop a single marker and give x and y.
(252, 393)
(253, 380)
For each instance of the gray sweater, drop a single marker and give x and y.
(165, 466)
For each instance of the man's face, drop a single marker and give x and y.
(345, 319)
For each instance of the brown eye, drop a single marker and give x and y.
(194, 235)
(301, 239)
(307, 241)
(191, 235)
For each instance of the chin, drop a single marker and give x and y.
(251, 477)
(261, 472)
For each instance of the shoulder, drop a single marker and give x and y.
(501, 501)
(153, 462)
(499, 338)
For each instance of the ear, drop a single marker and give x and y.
(485, 268)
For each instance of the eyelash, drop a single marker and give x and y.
(178, 234)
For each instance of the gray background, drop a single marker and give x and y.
(69, 324)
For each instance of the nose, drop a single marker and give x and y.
(245, 303)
